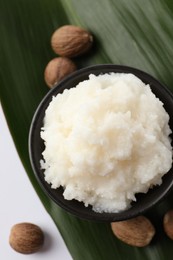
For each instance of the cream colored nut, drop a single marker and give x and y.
(138, 231)
(71, 41)
(168, 224)
(26, 238)
(57, 69)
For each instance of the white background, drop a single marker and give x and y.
(20, 203)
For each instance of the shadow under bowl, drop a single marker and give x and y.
(36, 146)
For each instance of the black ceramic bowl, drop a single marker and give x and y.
(36, 147)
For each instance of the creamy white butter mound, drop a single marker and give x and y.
(106, 140)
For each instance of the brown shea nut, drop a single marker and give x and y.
(71, 41)
(57, 69)
(26, 238)
(138, 231)
(168, 224)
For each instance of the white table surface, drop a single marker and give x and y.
(20, 203)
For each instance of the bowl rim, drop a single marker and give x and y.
(57, 89)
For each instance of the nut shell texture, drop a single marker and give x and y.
(57, 69)
(168, 224)
(137, 232)
(71, 41)
(26, 238)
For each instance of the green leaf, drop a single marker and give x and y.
(136, 33)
